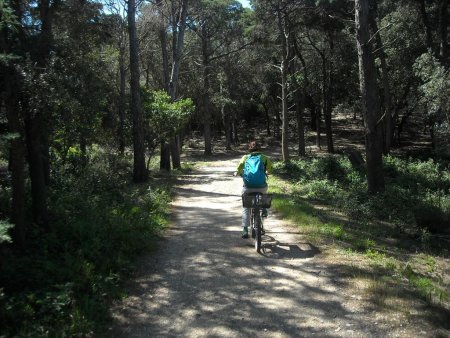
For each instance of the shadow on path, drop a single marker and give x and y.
(205, 281)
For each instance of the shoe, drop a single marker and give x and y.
(245, 232)
(264, 213)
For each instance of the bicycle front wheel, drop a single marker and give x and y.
(257, 231)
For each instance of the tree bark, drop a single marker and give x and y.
(370, 99)
(226, 122)
(234, 128)
(36, 122)
(175, 152)
(121, 105)
(178, 29)
(16, 159)
(317, 124)
(327, 102)
(205, 105)
(165, 54)
(139, 169)
(443, 30)
(387, 104)
(426, 24)
(165, 149)
(178, 43)
(284, 90)
(300, 99)
(33, 128)
(165, 156)
(299, 109)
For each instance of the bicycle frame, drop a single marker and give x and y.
(256, 202)
(256, 226)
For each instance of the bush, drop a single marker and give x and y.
(321, 190)
(416, 193)
(64, 281)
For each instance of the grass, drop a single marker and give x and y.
(327, 199)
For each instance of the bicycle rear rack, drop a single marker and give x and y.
(256, 201)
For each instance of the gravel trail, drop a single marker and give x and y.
(205, 281)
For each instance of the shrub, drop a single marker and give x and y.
(321, 190)
(99, 224)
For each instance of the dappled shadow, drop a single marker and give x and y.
(271, 248)
(205, 281)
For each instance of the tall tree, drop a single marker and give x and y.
(139, 168)
(214, 22)
(281, 13)
(9, 99)
(369, 98)
(443, 30)
(178, 29)
(387, 106)
(36, 118)
(284, 32)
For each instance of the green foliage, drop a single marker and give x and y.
(4, 227)
(321, 190)
(7, 19)
(63, 284)
(164, 118)
(435, 90)
(417, 192)
(435, 87)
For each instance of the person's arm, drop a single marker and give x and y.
(240, 167)
(268, 164)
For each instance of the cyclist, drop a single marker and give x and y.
(265, 165)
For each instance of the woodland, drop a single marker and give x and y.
(100, 99)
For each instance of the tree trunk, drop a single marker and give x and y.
(284, 115)
(165, 56)
(328, 124)
(178, 30)
(36, 121)
(177, 50)
(370, 100)
(16, 161)
(121, 105)
(227, 126)
(166, 149)
(267, 117)
(317, 119)
(443, 30)
(327, 102)
(234, 128)
(175, 152)
(388, 125)
(165, 156)
(36, 167)
(284, 90)
(205, 106)
(139, 169)
(426, 24)
(299, 109)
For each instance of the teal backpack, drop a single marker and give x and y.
(254, 174)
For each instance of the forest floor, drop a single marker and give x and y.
(205, 281)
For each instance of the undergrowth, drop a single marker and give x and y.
(63, 282)
(328, 199)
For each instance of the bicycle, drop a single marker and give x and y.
(256, 202)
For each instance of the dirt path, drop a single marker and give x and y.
(205, 281)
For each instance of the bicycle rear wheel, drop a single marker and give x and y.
(257, 231)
